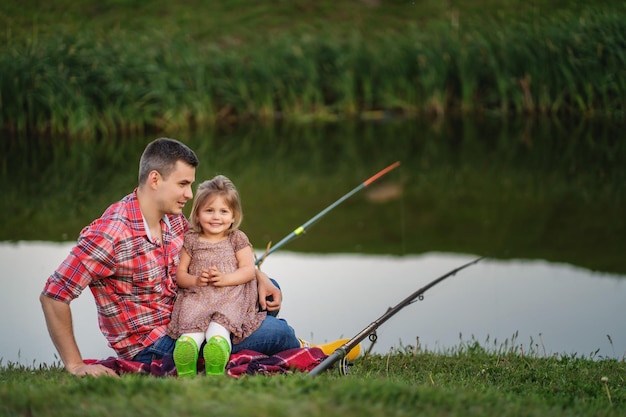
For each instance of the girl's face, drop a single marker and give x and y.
(215, 217)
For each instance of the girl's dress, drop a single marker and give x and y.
(234, 307)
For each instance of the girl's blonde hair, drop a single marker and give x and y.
(208, 190)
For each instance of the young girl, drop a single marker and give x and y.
(217, 298)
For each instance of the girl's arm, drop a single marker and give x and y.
(243, 274)
(183, 278)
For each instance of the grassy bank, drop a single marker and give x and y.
(85, 68)
(470, 380)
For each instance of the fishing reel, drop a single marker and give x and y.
(343, 366)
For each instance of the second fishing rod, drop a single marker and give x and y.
(341, 352)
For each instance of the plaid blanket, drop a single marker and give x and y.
(246, 362)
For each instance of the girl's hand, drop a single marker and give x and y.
(203, 279)
(216, 278)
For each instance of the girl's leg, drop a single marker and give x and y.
(217, 349)
(216, 329)
(186, 354)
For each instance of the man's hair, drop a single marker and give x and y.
(161, 155)
(207, 191)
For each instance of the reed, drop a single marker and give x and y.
(90, 83)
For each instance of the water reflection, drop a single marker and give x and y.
(520, 188)
(556, 308)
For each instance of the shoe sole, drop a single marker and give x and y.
(216, 354)
(186, 358)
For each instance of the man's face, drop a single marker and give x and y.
(175, 191)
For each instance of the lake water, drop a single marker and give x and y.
(544, 199)
(551, 307)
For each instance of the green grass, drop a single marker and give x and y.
(469, 380)
(85, 69)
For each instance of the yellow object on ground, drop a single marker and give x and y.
(330, 347)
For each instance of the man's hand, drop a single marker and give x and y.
(91, 370)
(268, 290)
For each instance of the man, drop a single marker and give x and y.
(128, 258)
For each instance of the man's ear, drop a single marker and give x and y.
(153, 178)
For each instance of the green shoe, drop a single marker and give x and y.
(186, 357)
(216, 354)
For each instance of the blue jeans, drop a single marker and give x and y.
(273, 336)
(162, 347)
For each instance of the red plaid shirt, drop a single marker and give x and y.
(133, 280)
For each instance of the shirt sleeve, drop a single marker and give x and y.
(239, 240)
(92, 258)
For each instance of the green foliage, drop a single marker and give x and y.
(171, 69)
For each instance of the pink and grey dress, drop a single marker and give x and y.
(235, 307)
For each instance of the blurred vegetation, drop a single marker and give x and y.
(85, 69)
(506, 116)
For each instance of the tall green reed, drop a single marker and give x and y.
(87, 84)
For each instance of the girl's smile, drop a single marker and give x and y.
(215, 218)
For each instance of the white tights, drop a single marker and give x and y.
(214, 329)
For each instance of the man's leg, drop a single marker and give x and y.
(162, 347)
(273, 336)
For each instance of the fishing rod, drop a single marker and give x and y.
(301, 229)
(340, 353)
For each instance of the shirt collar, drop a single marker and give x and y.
(136, 212)
(165, 220)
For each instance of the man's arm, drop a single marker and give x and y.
(267, 289)
(59, 321)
